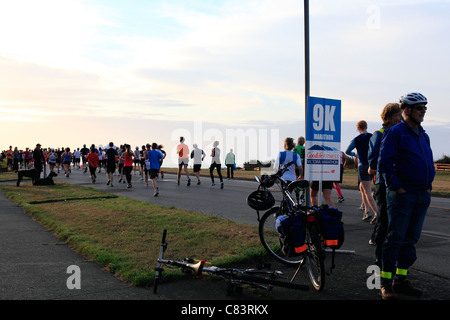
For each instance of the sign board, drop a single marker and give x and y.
(323, 139)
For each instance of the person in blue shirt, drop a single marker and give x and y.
(406, 163)
(153, 166)
(391, 115)
(361, 143)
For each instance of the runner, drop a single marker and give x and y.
(84, 151)
(111, 155)
(137, 161)
(52, 158)
(183, 160)
(145, 153)
(120, 151)
(153, 157)
(198, 155)
(77, 155)
(127, 158)
(66, 158)
(160, 148)
(92, 160)
(101, 155)
(215, 164)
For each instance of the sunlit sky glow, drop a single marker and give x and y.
(75, 72)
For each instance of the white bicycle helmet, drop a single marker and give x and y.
(413, 98)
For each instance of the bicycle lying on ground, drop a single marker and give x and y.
(236, 277)
(261, 200)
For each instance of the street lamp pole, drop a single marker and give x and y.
(307, 78)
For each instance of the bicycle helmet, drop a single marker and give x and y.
(413, 98)
(261, 200)
(267, 181)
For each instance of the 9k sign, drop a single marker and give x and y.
(323, 139)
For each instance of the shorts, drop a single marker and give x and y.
(364, 174)
(66, 162)
(183, 161)
(110, 168)
(153, 173)
(325, 185)
(197, 167)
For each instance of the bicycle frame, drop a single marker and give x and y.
(235, 276)
(313, 257)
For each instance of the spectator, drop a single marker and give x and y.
(230, 162)
(406, 162)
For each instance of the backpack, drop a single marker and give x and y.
(332, 229)
(283, 157)
(291, 230)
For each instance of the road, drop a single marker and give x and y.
(433, 249)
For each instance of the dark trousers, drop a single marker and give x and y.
(127, 171)
(230, 171)
(381, 227)
(211, 170)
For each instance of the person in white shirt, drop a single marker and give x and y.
(287, 156)
(215, 164)
(198, 155)
(77, 155)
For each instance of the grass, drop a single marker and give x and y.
(123, 235)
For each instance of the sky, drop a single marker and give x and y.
(76, 72)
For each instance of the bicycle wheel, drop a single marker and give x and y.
(270, 239)
(315, 257)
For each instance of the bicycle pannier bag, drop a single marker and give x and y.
(331, 226)
(292, 234)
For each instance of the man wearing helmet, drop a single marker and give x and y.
(406, 162)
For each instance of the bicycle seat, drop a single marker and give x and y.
(197, 268)
(298, 184)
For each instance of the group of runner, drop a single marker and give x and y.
(123, 162)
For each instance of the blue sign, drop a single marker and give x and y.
(323, 139)
(323, 119)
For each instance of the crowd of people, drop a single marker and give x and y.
(398, 160)
(386, 158)
(121, 161)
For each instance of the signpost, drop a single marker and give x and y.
(323, 139)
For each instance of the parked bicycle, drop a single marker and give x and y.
(236, 277)
(274, 243)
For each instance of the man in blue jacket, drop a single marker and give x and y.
(406, 162)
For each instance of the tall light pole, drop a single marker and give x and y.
(307, 79)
